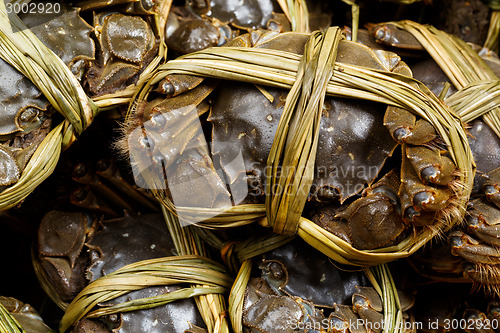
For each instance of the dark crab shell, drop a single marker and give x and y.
(188, 32)
(295, 283)
(116, 243)
(353, 144)
(68, 36)
(24, 111)
(22, 106)
(246, 14)
(251, 14)
(128, 240)
(25, 315)
(126, 37)
(126, 45)
(301, 290)
(485, 146)
(299, 270)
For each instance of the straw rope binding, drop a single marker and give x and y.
(281, 69)
(25, 52)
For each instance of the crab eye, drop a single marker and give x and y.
(147, 4)
(80, 170)
(381, 34)
(103, 164)
(166, 88)
(360, 302)
(29, 114)
(80, 194)
(276, 270)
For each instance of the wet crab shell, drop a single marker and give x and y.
(68, 36)
(25, 315)
(485, 146)
(125, 37)
(25, 115)
(21, 104)
(300, 290)
(292, 285)
(126, 45)
(299, 270)
(133, 239)
(186, 32)
(246, 14)
(353, 144)
(16, 153)
(119, 242)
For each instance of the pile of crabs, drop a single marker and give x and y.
(381, 174)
